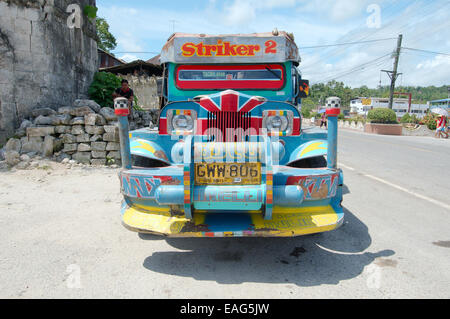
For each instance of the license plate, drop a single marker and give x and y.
(228, 174)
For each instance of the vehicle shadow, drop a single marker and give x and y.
(326, 258)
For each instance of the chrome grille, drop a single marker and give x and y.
(220, 123)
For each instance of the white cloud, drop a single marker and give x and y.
(129, 58)
(313, 22)
(435, 70)
(240, 12)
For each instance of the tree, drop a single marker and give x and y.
(106, 41)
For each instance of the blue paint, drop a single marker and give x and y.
(299, 153)
(149, 149)
(125, 151)
(228, 222)
(332, 141)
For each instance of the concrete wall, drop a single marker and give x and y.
(145, 88)
(43, 63)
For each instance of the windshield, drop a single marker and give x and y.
(261, 76)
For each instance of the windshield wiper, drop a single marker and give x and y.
(273, 72)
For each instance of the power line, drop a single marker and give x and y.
(357, 68)
(348, 43)
(426, 51)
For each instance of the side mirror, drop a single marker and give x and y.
(303, 88)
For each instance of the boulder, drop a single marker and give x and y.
(111, 129)
(89, 103)
(62, 129)
(96, 154)
(45, 111)
(12, 158)
(3, 165)
(83, 138)
(25, 158)
(43, 120)
(25, 124)
(69, 139)
(98, 146)
(23, 165)
(94, 130)
(83, 147)
(65, 110)
(111, 137)
(96, 138)
(77, 121)
(77, 130)
(22, 130)
(31, 144)
(13, 145)
(61, 119)
(40, 131)
(82, 157)
(70, 148)
(108, 114)
(94, 119)
(113, 146)
(81, 111)
(47, 147)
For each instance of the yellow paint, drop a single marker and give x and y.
(286, 222)
(160, 223)
(313, 147)
(293, 221)
(145, 146)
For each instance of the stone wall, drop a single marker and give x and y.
(84, 133)
(43, 63)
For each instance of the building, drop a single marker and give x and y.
(363, 105)
(444, 103)
(145, 80)
(107, 60)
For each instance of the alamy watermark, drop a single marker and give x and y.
(74, 279)
(374, 274)
(374, 19)
(75, 19)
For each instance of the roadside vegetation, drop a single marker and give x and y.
(382, 116)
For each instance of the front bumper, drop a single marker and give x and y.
(304, 202)
(286, 222)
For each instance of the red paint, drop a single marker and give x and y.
(122, 112)
(230, 84)
(335, 111)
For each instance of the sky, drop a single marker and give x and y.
(142, 27)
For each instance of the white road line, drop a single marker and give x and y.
(428, 199)
(346, 167)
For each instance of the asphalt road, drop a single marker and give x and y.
(395, 242)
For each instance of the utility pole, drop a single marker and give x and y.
(393, 75)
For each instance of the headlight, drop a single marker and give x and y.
(181, 122)
(280, 122)
(277, 123)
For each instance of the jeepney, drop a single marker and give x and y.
(229, 157)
